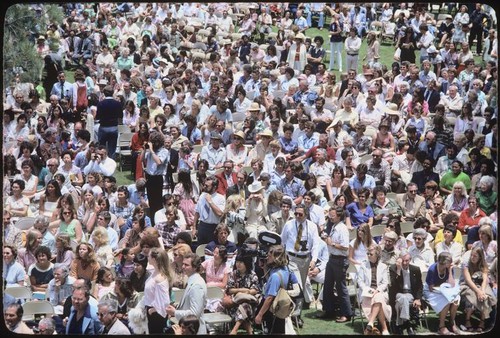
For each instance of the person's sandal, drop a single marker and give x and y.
(467, 327)
(480, 327)
(455, 329)
(444, 331)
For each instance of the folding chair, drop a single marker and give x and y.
(40, 307)
(200, 250)
(212, 319)
(352, 287)
(123, 147)
(377, 230)
(25, 223)
(19, 292)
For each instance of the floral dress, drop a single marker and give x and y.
(244, 311)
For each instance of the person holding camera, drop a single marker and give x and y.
(301, 240)
(100, 163)
(155, 158)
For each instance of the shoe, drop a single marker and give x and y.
(324, 315)
(342, 319)
(410, 331)
(368, 329)
(385, 333)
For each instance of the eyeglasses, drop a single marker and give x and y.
(437, 204)
(51, 165)
(67, 213)
(100, 315)
(299, 214)
(412, 191)
(169, 204)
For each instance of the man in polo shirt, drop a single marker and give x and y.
(292, 186)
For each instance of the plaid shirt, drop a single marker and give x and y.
(167, 233)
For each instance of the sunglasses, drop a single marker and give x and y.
(67, 213)
(299, 214)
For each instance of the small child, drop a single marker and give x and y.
(105, 282)
(126, 265)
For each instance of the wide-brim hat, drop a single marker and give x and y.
(432, 49)
(300, 36)
(255, 187)
(189, 29)
(240, 134)
(254, 107)
(392, 109)
(266, 132)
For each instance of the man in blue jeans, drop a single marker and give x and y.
(109, 111)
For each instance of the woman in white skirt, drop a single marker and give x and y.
(442, 293)
(373, 285)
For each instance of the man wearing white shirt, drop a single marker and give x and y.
(425, 41)
(214, 153)
(100, 163)
(208, 211)
(352, 45)
(288, 79)
(225, 24)
(315, 212)
(300, 239)
(398, 79)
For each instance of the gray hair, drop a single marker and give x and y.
(49, 323)
(321, 151)
(63, 267)
(485, 220)
(420, 232)
(112, 304)
(487, 180)
(44, 220)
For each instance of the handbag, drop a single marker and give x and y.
(242, 297)
(283, 305)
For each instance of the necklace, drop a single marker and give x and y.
(439, 275)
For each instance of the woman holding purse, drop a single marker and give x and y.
(242, 289)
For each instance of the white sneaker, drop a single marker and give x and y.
(385, 333)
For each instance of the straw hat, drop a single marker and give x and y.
(392, 109)
(300, 36)
(266, 132)
(239, 133)
(255, 187)
(254, 107)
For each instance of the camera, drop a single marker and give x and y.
(324, 235)
(96, 157)
(146, 146)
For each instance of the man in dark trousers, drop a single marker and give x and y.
(405, 291)
(109, 111)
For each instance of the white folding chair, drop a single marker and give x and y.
(19, 292)
(40, 307)
(25, 223)
(200, 250)
(123, 148)
(211, 319)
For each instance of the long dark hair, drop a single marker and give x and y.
(185, 179)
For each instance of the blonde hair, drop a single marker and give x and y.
(182, 249)
(233, 203)
(163, 262)
(100, 236)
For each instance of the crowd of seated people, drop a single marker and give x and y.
(238, 125)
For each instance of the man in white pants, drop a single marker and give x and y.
(352, 46)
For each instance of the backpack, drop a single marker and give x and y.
(82, 101)
(283, 305)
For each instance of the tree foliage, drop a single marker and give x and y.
(23, 23)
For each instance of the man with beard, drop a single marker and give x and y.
(389, 253)
(208, 212)
(425, 175)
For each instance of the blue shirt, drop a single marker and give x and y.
(358, 217)
(157, 169)
(274, 282)
(195, 136)
(356, 185)
(134, 195)
(307, 143)
(294, 189)
(288, 146)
